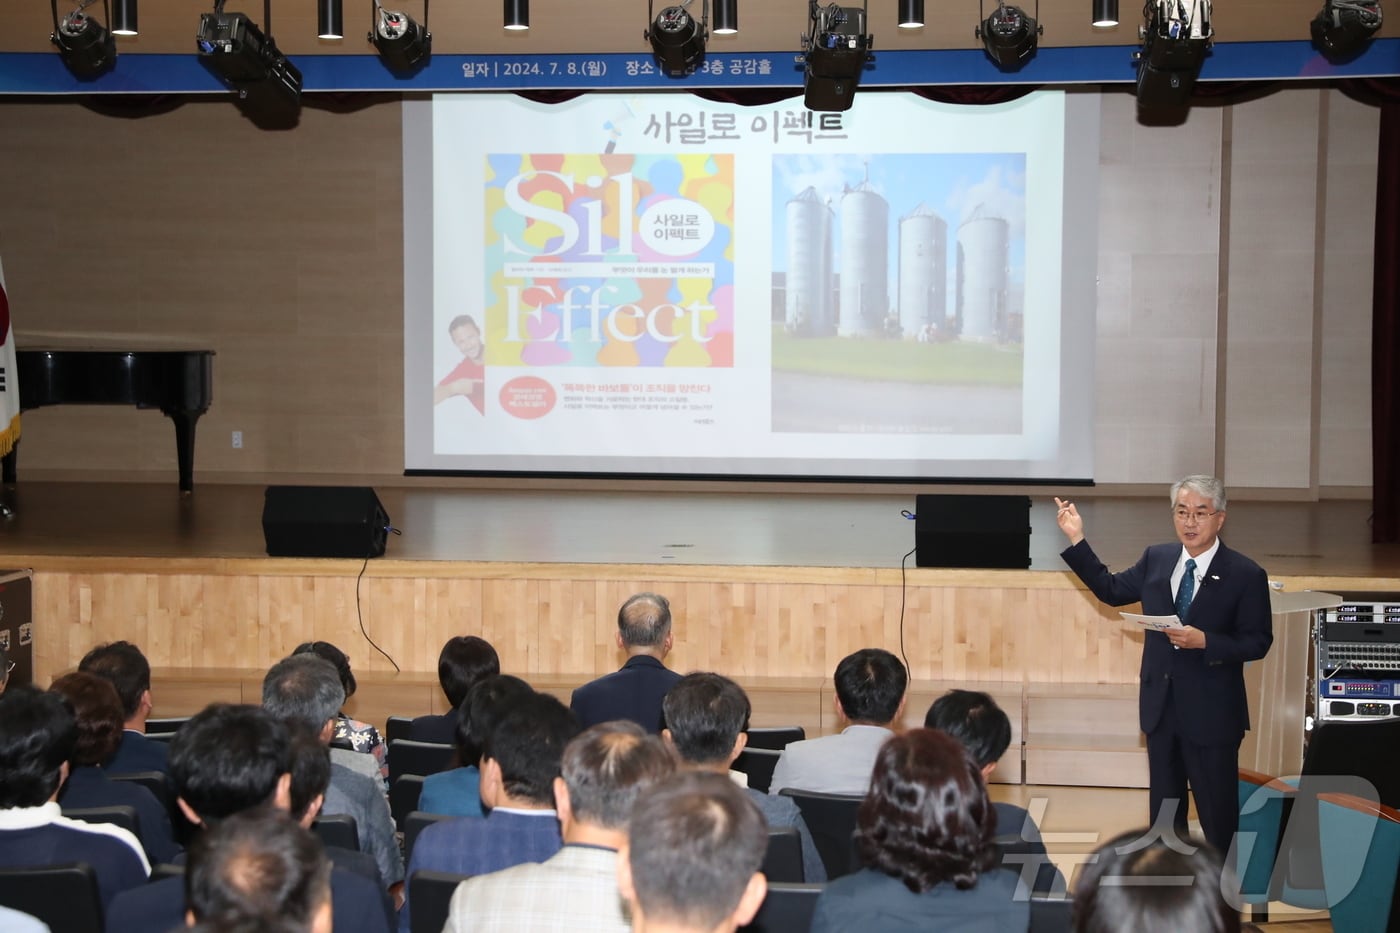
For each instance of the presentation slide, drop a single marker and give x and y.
(659, 285)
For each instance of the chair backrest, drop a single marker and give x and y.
(154, 781)
(397, 727)
(414, 824)
(1360, 843)
(409, 757)
(782, 863)
(430, 893)
(172, 724)
(758, 764)
(123, 816)
(788, 908)
(166, 870)
(338, 829)
(63, 896)
(162, 737)
(1050, 914)
(403, 797)
(1264, 802)
(831, 819)
(775, 737)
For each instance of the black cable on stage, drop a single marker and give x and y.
(359, 614)
(903, 588)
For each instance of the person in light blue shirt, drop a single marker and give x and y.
(457, 792)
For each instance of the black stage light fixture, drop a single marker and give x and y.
(726, 17)
(1176, 39)
(330, 19)
(677, 38)
(87, 48)
(1105, 13)
(517, 14)
(124, 19)
(1343, 29)
(835, 51)
(266, 85)
(403, 44)
(911, 14)
(1009, 36)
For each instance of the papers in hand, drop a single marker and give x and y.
(1155, 623)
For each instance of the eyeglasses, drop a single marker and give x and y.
(1198, 515)
(9, 667)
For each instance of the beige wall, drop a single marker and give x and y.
(1233, 308)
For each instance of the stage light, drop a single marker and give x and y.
(517, 14)
(124, 19)
(266, 85)
(677, 38)
(911, 14)
(1176, 39)
(1343, 29)
(726, 17)
(835, 51)
(1105, 13)
(1009, 36)
(330, 20)
(403, 45)
(85, 45)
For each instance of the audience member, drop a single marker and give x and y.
(295, 669)
(1153, 884)
(350, 733)
(706, 721)
(870, 687)
(691, 863)
(98, 711)
(520, 760)
(228, 760)
(636, 691)
(984, 729)
(259, 870)
(925, 834)
(37, 735)
(457, 791)
(463, 662)
(126, 667)
(603, 771)
(306, 689)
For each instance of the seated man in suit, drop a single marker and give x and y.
(603, 771)
(457, 791)
(126, 667)
(870, 686)
(463, 662)
(691, 864)
(983, 728)
(635, 692)
(37, 735)
(519, 763)
(230, 759)
(706, 721)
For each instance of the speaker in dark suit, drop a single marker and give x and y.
(324, 521)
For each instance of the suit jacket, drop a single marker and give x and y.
(1026, 854)
(575, 891)
(89, 786)
(360, 797)
(1231, 607)
(831, 764)
(137, 753)
(872, 900)
(634, 693)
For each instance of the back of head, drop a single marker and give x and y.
(304, 688)
(926, 819)
(99, 713)
(310, 767)
(463, 662)
(336, 658)
(126, 667)
(606, 766)
(37, 734)
(870, 685)
(258, 870)
(1140, 881)
(528, 745)
(228, 758)
(975, 720)
(705, 713)
(487, 701)
(695, 841)
(644, 620)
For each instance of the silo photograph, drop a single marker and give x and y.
(903, 282)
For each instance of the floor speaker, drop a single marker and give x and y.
(324, 521)
(972, 531)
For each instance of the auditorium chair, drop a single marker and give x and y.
(831, 819)
(788, 908)
(403, 797)
(782, 862)
(123, 816)
(338, 829)
(397, 727)
(776, 738)
(63, 896)
(430, 893)
(159, 785)
(166, 725)
(758, 764)
(409, 757)
(1050, 914)
(1360, 842)
(415, 823)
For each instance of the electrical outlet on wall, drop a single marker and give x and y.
(237, 440)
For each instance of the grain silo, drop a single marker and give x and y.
(808, 304)
(983, 273)
(923, 270)
(865, 298)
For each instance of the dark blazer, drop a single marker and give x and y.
(871, 900)
(1231, 608)
(91, 787)
(137, 753)
(634, 693)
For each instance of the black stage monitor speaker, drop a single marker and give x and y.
(972, 531)
(324, 521)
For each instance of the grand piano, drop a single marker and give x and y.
(178, 382)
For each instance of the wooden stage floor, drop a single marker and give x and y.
(1309, 539)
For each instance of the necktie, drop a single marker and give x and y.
(1186, 590)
